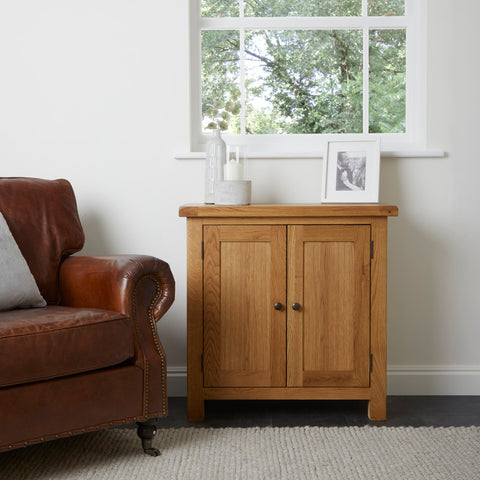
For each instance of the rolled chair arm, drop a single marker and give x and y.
(140, 287)
(117, 283)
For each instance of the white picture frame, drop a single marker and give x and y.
(351, 171)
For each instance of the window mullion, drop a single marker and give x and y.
(364, 8)
(366, 81)
(366, 71)
(241, 79)
(243, 94)
(302, 23)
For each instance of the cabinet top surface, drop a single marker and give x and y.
(289, 210)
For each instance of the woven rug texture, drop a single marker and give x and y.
(302, 453)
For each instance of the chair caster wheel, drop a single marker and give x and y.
(146, 432)
(153, 452)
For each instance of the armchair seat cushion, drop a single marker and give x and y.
(57, 341)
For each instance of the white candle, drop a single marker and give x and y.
(233, 171)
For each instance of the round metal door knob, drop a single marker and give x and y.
(278, 306)
(296, 306)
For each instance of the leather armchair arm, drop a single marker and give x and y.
(120, 283)
(140, 287)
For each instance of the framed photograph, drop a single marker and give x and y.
(351, 171)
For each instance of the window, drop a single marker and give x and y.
(283, 74)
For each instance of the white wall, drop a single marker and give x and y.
(97, 92)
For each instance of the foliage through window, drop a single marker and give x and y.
(304, 67)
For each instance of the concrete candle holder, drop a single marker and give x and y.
(233, 192)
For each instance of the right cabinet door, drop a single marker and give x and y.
(328, 335)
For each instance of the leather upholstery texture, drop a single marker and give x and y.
(43, 218)
(92, 357)
(38, 344)
(42, 411)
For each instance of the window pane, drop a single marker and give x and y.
(220, 71)
(387, 81)
(305, 8)
(303, 81)
(220, 8)
(386, 7)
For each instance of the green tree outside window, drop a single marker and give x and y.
(298, 81)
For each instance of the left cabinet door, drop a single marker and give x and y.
(244, 334)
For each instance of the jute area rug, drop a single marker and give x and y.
(256, 453)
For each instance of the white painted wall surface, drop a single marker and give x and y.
(98, 92)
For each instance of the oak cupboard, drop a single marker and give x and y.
(286, 302)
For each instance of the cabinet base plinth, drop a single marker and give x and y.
(377, 407)
(288, 393)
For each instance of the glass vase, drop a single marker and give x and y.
(216, 154)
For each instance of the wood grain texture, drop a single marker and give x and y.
(377, 408)
(329, 276)
(294, 220)
(289, 393)
(244, 276)
(195, 401)
(289, 210)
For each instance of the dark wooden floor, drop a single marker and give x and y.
(401, 410)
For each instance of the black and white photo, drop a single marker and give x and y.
(351, 171)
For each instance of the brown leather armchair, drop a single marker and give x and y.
(91, 359)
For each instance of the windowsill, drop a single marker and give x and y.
(316, 155)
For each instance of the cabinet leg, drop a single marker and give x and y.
(377, 409)
(195, 409)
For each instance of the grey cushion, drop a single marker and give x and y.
(17, 285)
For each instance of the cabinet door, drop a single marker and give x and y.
(244, 335)
(329, 277)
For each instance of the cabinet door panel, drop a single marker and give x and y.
(244, 276)
(329, 276)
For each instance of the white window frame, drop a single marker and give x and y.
(312, 145)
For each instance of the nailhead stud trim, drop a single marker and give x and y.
(153, 328)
